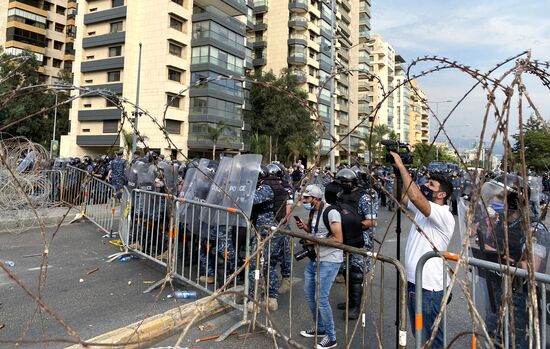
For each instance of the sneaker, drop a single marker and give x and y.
(340, 279)
(272, 304)
(250, 307)
(326, 343)
(311, 333)
(285, 286)
(203, 279)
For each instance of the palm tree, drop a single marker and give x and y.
(373, 137)
(216, 134)
(296, 146)
(259, 144)
(128, 140)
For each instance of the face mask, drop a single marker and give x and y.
(497, 205)
(428, 193)
(309, 206)
(347, 187)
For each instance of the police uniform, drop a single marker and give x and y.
(118, 177)
(368, 208)
(264, 219)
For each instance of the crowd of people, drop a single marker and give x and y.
(432, 198)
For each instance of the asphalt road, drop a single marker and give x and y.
(106, 299)
(112, 296)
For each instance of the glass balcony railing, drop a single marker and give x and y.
(216, 36)
(219, 63)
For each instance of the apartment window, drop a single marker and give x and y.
(47, 6)
(173, 126)
(85, 130)
(88, 105)
(116, 27)
(117, 3)
(113, 76)
(59, 28)
(48, 24)
(89, 81)
(60, 10)
(115, 51)
(110, 126)
(179, 2)
(174, 75)
(57, 63)
(45, 60)
(176, 24)
(90, 57)
(173, 101)
(58, 45)
(174, 49)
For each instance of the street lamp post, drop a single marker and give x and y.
(137, 113)
(437, 103)
(54, 125)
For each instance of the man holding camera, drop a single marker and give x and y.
(329, 260)
(435, 226)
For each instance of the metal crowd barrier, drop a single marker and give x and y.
(371, 305)
(481, 267)
(72, 191)
(99, 204)
(51, 185)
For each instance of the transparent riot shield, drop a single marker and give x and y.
(169, 172)
(241, 185)
(27, 163)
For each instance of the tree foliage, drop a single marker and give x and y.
(423, 153)
(38, 129)
(282, 117)
(537, 145)
(372, 143)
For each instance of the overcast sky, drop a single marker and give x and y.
(478, 33)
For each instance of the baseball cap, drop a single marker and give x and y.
(120, 152)
(313, 191)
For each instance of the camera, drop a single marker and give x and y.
(400, 148)
(307, 251)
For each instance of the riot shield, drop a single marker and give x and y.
(168, 175)
(241, 185)
(145, 176)
(27, 163)
(131, 173)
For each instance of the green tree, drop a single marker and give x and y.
(259, 144)
(215, 134)
(373, 146)
(537, 145)
(281, 116)
(424, 153)
(40, 128)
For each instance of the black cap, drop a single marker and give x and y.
(120, 152)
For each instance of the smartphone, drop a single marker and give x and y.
(297, 219)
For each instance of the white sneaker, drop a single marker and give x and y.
(326, 343)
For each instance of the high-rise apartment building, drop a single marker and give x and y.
(182, 42)
(313, 38)
(402, 111)
(45, 28)
(419, 122)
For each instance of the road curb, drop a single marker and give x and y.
(155, 328)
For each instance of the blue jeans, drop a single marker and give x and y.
(327, 273)
(431, 304)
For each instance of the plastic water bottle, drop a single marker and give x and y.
(124, 259)
(183, 294)
(10, 264)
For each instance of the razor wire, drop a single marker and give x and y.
(502, 114)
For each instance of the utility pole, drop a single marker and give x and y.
(136, 113)
(332, 83)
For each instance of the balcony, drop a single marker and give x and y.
(298, 6)
(300, 75)
(260, 26)
(105, 16)
(298, 58)
(297, 22)
(229, 7)
(259, 61)
(297, 39)
(260, 6)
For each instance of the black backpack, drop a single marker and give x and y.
(352, 227)
(280, 197)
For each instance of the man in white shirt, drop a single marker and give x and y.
(435, 228)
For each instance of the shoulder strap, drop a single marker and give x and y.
(316, 229)
(325, 217)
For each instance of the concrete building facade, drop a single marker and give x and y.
(419, 122)
(298, 35)
(182, 42)
(45, 28)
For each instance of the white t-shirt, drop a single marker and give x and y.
(439, 227)
(327, 254)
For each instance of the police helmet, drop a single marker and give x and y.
(212, 167)
(87, 159)
(264, 172)
(75, 161)
(513, 189)
(274, 170)
(347, 175)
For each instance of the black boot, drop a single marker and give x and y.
(355, 295)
